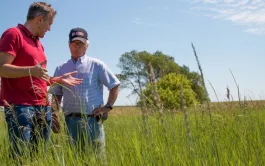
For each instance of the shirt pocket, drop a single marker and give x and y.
(87, 78)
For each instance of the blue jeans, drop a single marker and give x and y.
(27, 125)
(86, 131)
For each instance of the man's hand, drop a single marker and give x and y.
(67, 79)
(100, 111)
(39, 72)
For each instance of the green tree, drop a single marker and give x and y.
(135, 71)
(169, 90)
(196, 83)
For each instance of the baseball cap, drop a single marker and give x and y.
(78, 34)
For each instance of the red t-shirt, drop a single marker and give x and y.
(28, 51)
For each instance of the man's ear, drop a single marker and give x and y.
(39, 19)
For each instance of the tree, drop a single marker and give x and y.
(135, 68)
(135, 71)
(196, 83)
(169, 90)
(164, 64)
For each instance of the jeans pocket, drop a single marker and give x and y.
(24, 115)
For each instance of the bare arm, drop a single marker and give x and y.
(8, 70)
(66, 79)
(113, 94)
(11, 71)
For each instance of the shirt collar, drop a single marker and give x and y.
(27, 32)
(81, 59)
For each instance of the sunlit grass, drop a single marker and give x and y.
(236, 137)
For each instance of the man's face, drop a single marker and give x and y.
(77, 48)
(44, 25)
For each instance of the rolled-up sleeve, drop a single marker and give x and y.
(107, 78)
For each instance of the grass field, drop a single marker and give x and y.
(232, 135)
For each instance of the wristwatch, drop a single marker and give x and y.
(108, 106)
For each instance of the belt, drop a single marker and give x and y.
(79, 115)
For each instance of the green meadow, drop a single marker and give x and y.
(227, 134)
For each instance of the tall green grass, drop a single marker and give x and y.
(239, 139)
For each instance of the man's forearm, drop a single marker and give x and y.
(53, 80)
(113, 94)
(12, 71)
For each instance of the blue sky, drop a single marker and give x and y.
(227, 34)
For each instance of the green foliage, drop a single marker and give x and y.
(135, 71)
(164, 64)
(196, 85)
(169, 90)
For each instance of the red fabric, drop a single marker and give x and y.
(28, 51)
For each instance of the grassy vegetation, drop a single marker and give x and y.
(236, 136)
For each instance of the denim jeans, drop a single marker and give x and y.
(86, 131)
(27, 126)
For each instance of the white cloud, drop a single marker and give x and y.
(248, 13)
(257, 31)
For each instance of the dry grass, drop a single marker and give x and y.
(125, 111)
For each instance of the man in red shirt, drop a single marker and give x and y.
(25, 79)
